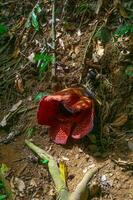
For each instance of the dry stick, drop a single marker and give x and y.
(81, 192)
(53, 37)
(86, 49)
(64, 9)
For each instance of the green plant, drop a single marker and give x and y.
(3, 29)
(103, 34)
(43, 60)
(124, 30)
(33, 19)
(3, 197)
(82, 7)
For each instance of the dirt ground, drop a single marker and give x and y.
(30, 180)
(78, 157)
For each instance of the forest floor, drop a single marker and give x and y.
(111, 148)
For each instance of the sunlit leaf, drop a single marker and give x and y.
(2, 197)
(4, 169)
(44, 161)
(124, 29)
(38, 8)
(63, 171)
(34, 21)
(44, 60)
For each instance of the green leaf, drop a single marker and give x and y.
(4, 169)
(44, 60)
(43, 67)
(1, 184)
(40, 95)
(43, 57)
(34, 21)
(45, 161)
(2, 197)
(92, 138)
(123, 30)
(29, 132)
(129, 71)
(37, 8)
(3, 29)
(103, 34)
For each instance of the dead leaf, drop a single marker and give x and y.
(118, 6)
(99, 5)
(99, 49)
(31, 57)
(19, 84)
(77, 50)
(120, 121)
(79, 33)
(16, 53)
(14, 108)
(99, 52)
(20, 184)
(61, 43)
(33, 183)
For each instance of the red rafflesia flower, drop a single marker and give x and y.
(68, 113)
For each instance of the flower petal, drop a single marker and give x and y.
(84, 124)
(47, 111)
(60, 132)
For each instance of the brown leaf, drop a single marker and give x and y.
(121, 10)
(16, 53)
(99, 5)
(121, 120)
(19, 84)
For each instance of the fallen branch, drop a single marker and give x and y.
(82, 190)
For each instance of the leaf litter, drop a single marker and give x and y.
(113, 85)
